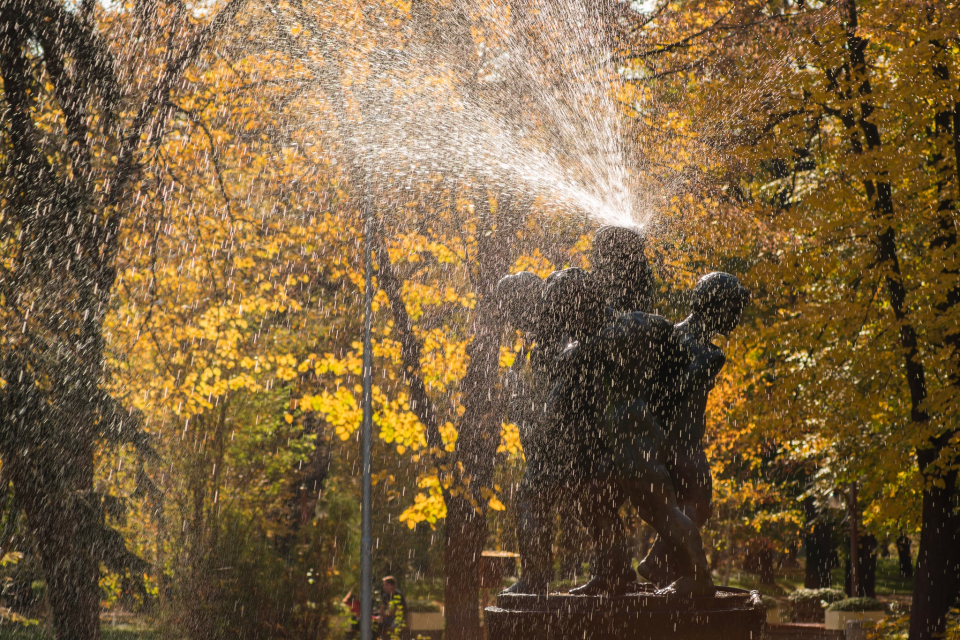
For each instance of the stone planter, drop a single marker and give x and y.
(430, 621)
(837, 620)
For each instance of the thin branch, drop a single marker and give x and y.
(410, 346)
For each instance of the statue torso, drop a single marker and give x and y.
(664, 365)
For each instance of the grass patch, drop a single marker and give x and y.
(889, 580)
(35, 632)
(786, 581)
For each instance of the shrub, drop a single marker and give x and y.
(953, 625)
(857, 604)
(769, 603)
(247, 585)
(423, 606)
(806, 605)
(894, 627)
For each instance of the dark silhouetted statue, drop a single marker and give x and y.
(560, 430)
(612, 406)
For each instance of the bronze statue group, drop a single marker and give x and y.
(610, 400)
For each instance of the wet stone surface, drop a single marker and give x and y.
(730, 614)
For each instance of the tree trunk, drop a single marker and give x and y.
(765, 561)
(866, 569)
(55, 499)
(465, 534)
(820, 556)
(818, 541)
(905, 556)
(479, 435)
(72, 576)
(936, 585)
(853, 588)
(478, 429)
(868, 566)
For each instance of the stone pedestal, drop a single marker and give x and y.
(732, 614)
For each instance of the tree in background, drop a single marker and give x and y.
(839, 183)
(231, 284)
(86, 91)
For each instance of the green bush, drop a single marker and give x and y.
(806, 605)
(857, 604)
(769, 603)
(248, 585)
(423, 606)
(33, 632)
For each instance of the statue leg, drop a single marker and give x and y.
(657, 566)
(690, 470)
(533, 536)
(690, 474)
(599, 512)
(654, 496)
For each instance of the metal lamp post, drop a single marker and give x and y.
(366, 428)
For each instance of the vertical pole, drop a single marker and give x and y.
(366, 526)
(728, 563)
(854, 544)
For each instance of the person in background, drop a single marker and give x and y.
(352, 604)
(393, 611)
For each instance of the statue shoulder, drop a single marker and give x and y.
(655, 328)
(646, 336)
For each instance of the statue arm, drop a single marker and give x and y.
(706, 365)
(636, 418)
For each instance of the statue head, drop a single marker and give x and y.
(573, 303)
(719, 299)
(620, 262)
(520, 298)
